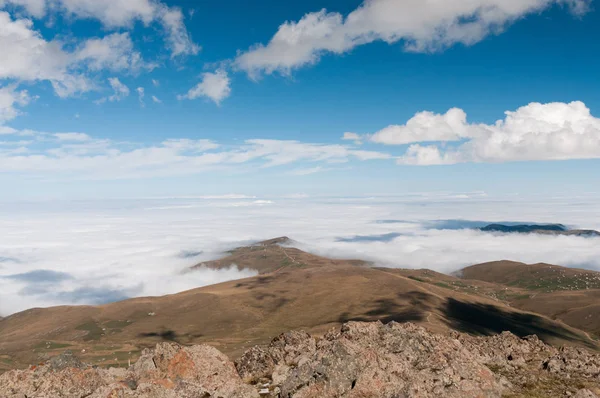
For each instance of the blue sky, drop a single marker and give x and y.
(220, 78)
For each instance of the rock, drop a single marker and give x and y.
(167, 371)
(585, 393)
(288, 349)
(66, 360)
(376, 360)
(359, 360)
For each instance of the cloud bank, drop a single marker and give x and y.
(75, 155)
(92, 252)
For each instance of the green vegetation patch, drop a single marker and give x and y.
(444, 285)
(51, 345)
(559, 282)
(6, 361)
(94, 331)
(286, 262)
(117, 324)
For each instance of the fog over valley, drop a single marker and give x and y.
(95, 252)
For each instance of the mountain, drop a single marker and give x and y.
(358, 360)
(548, 229)
(273, 255)
(295, 291)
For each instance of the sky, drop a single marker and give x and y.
(129, 99)
(139, 137)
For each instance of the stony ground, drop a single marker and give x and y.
(358, 360)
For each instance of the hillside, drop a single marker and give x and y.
(567, 294)
(296, 290)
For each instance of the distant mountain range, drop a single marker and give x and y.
(546, 229)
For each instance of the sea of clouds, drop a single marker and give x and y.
(93, 252)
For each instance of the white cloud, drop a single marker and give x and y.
(352, 137)
(116, 14)
(113, 52)
(36, 8)
(215, 86)
(179, 40)
(554, 131)
(26, 55)
(155, 83)
(105, 159)
(156, 100)
(190, 145)
(141, 94)
(305, 172)
(78, 137)
(426, 126)
(117, 266)
(120, 90)
(423, 26)
(9, 98)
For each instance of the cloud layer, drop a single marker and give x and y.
(77, 155)
(423, 26)
(94, 252)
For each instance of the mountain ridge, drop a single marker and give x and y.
(314, 295)
(544, 229)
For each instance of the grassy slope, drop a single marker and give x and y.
(296, 290)
(566, 294)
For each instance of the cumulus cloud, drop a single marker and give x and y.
(215, 86)
(156, 100)
(553, 131)
(113, 52)
(93, 252)
(115, 14)
(27, 56)
(426, 126)
(35, 8)
(10, 98)
(120, 91)
(423, 26)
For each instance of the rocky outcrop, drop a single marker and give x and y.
(358, 360)
(168, 371)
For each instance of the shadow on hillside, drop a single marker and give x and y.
(165, 335)
(255, 282)
(472, 318)
(486, 320)
(387, 310)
